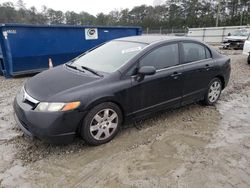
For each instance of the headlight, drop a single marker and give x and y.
(57, 106)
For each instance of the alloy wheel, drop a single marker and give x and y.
(214, 91)
(104, 124)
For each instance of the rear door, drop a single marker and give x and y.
(197, 67)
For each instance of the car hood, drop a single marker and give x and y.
(236, 38)
(56, 80)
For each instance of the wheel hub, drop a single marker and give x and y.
(104, 124)
(214, 91)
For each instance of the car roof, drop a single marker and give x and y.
(149, 39)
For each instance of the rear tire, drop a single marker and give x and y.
(213, 92)
(248, 60)
(101, 124)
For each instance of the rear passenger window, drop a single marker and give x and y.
(194, 52)
(162, 57)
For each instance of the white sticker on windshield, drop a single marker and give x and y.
(134, 49)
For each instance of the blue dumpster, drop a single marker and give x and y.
(1, 61)
(27, 48)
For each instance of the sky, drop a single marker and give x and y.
(91, 6)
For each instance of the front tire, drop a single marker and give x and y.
(213, 93)
(101, 124)
(248, 60)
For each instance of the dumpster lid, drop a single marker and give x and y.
(66, 26)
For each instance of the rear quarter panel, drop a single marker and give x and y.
(223, 67)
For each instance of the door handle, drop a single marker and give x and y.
(176, 74)
(207, 66)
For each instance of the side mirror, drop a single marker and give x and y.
(229, 34)
(145, 70)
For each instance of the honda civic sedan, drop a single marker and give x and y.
(127, 78)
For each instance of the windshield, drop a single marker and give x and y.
(241, 32)
(110, 56)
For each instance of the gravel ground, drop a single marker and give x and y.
(194, 146)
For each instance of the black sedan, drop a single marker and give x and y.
(126, 78)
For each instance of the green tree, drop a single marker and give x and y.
(55, 17)
(172, 14)
(72, 18)
(8, 13)
(101, 19)
(87, 19)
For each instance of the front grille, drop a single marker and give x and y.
(30, 103)
(26, 98)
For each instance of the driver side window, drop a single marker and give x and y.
(162, 57)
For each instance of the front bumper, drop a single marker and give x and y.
(233, 44)
(51, 127)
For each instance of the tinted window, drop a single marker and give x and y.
(110, 56)
(193, 52)
(163, 57)
(208, 53)
(132, 70)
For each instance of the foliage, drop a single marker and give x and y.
(172, 14)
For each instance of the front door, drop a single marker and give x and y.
(162, 89)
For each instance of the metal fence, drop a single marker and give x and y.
(209, 34)
(212, 34)
(164, 31)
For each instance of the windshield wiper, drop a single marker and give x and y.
(85, 68)
(92, 70)
(71, 66)
(74, 67)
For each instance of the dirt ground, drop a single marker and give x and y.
(194, 146)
